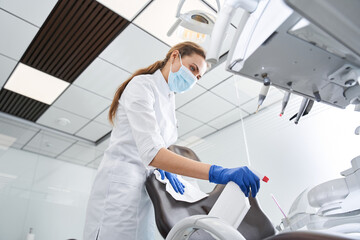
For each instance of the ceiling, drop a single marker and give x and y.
(94, 47)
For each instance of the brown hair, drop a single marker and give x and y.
(184, 48)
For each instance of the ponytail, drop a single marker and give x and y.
(115, 102)
(185, 49)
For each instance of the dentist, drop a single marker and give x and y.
(143, 116)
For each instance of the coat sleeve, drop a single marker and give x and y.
(138, 101)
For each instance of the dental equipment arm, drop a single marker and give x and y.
(222, 23)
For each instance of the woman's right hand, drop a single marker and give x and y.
(242, 176)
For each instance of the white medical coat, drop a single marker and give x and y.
(119, 207)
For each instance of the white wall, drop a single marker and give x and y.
(43, 193)
(294, 157)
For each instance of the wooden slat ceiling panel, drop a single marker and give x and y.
(73, 35)
(21, 106)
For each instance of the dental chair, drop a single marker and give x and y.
(255, 225)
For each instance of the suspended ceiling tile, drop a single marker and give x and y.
(250, 106)
(73, 35)
(34, 11)
(200, 132)
(81, 153)
(16, 130)
(206, 107)
(103, 118)
(95, 164)
(18, 34)
(51, 119)
(228, 118)
(125, 8)
(7, 65)
(247, 86)
(94, 131)
(82, 102)
(159, 16)
(183, 98)
(102, 78)
(134, 49)
(48, 143)
(214, 76)
(229, 91)
(185, 123)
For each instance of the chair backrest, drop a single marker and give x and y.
(168, 211)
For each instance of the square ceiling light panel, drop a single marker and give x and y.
(35, 84)
(16, 35)
(159, 16)
(102, 78)
(125, 8)
(7, 65)
(134, 49)
(34, 11)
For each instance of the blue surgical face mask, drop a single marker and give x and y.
(181, 80)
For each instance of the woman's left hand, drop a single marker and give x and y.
(177, 185)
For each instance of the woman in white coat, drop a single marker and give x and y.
(143, 115)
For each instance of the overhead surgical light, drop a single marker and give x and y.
(194, 25)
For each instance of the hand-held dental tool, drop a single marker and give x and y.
(285, 102)
(303, 105)
(264, 90)
(262, 95)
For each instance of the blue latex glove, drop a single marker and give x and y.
(177, 185)
(242, 176)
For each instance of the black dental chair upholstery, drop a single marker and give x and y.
(168, 211)
(255, 225)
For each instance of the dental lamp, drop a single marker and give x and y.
(194, 25)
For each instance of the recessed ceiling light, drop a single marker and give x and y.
(63, 121)
(35, 84)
